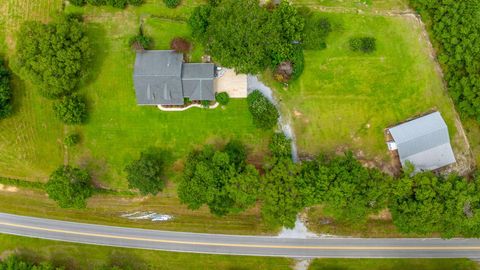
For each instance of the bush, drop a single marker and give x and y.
(53, 56)
(363, 44)
(284, 71)
(222, 98)
(71, 110)
(72, 139)
(140, 42)
(172, 3)
(316, 32)
(117, 3)
(145, 173)
(180, 45)
(205, 103)
(280, 146)
(135, 2)
(96, 2)
(70, 187)
(5, 92)
(78, 3)
(264, 113)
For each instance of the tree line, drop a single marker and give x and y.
(455, 28)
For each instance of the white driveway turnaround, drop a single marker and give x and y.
(238, 245)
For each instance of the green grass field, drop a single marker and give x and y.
(393, 264)
(357, 4)
(79, 256)
(346, 99)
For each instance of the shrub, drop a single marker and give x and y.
(363, 44)
(70, 187)
(145, 173)
(135, 2)
(117, 3)
(172, 3)
(205, 103)
(72, 139)
(78, 3)
(284, 71)
(264, 113)
(298, 60)
(180, 45)
(140, 41)
(222, 98)
(280, 146)
(5, 92)
(54, 56)
(71, 110)
(316, 32)
(96, 2)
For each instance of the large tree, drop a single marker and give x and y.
(220, 179)
(70, 187)
(246, 36)
(426, 203)
(146, 173)
(54, 56)
(5, 91)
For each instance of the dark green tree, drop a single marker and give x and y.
(264, 113)
(146, 173)
(5, 92)
(172, 3)
(220, 179)
(71, 110)
(280, 146)
(70, 187)
(54, 56)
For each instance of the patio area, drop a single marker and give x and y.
(234, 84)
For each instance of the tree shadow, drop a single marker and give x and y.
(100, 46)
(126, 260)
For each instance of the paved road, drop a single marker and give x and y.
(237, 245)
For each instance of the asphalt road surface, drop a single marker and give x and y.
(239, 245)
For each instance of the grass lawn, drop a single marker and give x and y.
(79, 256)
(346, 99)
(357, 4)
(393, 264)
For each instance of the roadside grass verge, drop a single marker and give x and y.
(80, 256)
(393, 264)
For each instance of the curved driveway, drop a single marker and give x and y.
(238, 245)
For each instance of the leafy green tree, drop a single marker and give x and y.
(172, 3)
(282, 198)
(97, 2)
(72, 110)
(5, 92)
(220, 179)
(54, 56)
(14, 262)
(70, 187)
(280, 146)
(72, 139)
(117, 3)
(78, 3)
(146, 173)
(264, 113)
(225, 28)
(135, 2)
(426, 203)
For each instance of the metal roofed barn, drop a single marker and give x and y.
(424, 142)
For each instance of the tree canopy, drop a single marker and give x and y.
(455, 27)
(264, 113)
(54, 56)
(427, 203)
(71, 110)
(5, 91)
(243, 35)
(146, 173)
(220, 179)
(70, 187)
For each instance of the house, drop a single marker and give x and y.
(162, 78)
(424, 142)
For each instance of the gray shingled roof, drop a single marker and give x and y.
(424, 142)
(161, 77)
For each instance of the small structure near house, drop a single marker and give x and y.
(162, 78)
(423, 141)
